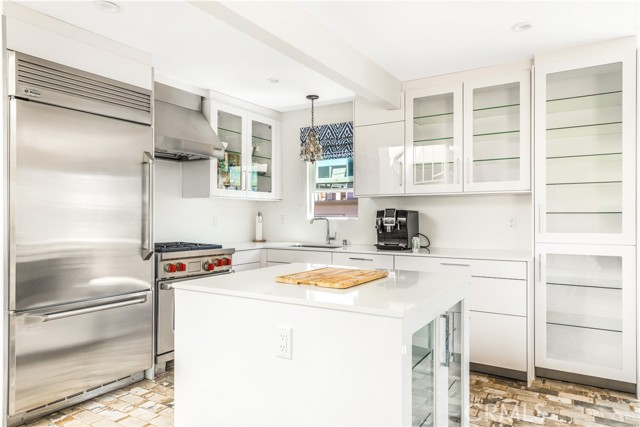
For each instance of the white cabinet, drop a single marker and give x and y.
(379, 159)
(249, 168)
(434, 140)
(366, 261)
(378, 144)
(586, 311)
(483, 147)
(497, 149)
(585, 214)
(498, 340)
(250, 259)
(499, 311)
(282, 256)
(585, 128)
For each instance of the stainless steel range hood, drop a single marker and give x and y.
(182, 132)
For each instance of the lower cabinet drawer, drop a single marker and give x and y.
(501, 296)
(435, 265)
(245, 267)
(475, 267)
(498, 340)
(298, 255)
(363, 260)
(246, 257)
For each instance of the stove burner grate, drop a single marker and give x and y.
(184, 246)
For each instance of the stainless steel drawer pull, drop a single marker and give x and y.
(71, 313)
(453, 264)
(361, 259)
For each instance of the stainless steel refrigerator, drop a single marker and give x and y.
(80, 230)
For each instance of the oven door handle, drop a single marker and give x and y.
(169, 286)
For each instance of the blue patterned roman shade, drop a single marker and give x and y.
(336, 139)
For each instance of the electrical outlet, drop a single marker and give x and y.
(512, 223)
(283, 219)
(284, 341)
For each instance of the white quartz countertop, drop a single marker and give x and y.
(397, 295)
(486, 254)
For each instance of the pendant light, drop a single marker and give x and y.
(311, 150)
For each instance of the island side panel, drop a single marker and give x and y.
(346, 367)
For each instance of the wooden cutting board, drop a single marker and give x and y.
(331, 277)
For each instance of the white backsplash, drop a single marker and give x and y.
(465, 221)
(193, 219)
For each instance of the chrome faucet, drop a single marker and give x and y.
(329, 236)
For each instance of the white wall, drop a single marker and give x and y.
(293, 206)
(193, 219)
(465, 221)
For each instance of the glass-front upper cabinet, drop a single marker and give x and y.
(260, 167)
(496, 133)
(248, 168)
(585, 311)
(434, 140)
(585, 147)
(230, 168)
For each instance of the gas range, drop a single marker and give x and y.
(180, 260)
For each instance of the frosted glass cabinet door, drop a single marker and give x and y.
(434, 140)
(379, 149)
(496, 133)
(585, 310)
(585, 149)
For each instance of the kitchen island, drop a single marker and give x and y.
(251, 351)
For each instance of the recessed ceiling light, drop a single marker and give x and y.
(107, 6)
(522, 26)
(273, 80)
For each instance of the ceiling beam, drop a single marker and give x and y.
(287, 28)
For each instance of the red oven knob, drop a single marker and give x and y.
(208, 266)
(227, 261)
(182, 266)
(170, 268)
(219, 262)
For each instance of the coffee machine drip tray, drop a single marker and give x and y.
(392, 247)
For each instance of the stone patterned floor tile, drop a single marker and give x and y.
(494, 402)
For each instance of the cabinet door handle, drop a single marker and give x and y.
(361, 259)
(540, 271)
(454, 264)
(447, 352)
(467, 169)
(457, 172)
(540, 218)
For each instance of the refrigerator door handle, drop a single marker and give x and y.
(147, 222)
(40, 318)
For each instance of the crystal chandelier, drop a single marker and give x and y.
(311, 150)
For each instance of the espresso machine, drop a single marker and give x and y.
(395, 228)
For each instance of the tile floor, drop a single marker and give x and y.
(145, 403)
(494, 402)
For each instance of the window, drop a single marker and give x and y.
(331, 179)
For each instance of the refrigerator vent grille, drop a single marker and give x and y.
(83, 86)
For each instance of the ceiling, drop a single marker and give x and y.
(410, 40)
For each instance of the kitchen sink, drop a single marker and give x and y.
(314, 245)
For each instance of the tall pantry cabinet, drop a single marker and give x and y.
(585, 214)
